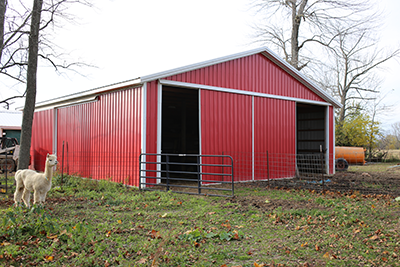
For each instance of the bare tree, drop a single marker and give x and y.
(291, 25)
(396, 132)
(30, 100)
(351, 72)
(24, 42)
(3, 7)
(15, 48)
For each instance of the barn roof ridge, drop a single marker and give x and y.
(69, 99)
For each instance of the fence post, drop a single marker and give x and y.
(322, 172)
(223, 169)
(62, 166)
(268, 167)
(198, 175)
(6, 171)
(167, 170)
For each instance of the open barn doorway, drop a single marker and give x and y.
(180, 129)
(311, 138)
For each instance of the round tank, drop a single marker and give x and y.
(353, 155)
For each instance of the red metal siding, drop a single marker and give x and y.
(275, 133)
(254, 73)
(226, 129)
(151, 130)
(42, 138)
(103, 138)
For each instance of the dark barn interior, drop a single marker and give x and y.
(180, 129)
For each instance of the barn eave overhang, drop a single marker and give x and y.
(265, 52)
(85, 96)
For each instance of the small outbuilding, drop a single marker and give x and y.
(10, 124)
(251, 106)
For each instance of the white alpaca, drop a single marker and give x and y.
(29, 180)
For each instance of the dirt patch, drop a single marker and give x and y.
(382, 183)
(246, 203)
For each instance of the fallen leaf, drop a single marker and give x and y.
(108, 234)
(304, 244)
(155, 234)
(52, 236)
(119, 221)
(49, 258)
(142, 261)
(326, 255)
(164, 215)
(374, 237)
(316, 247)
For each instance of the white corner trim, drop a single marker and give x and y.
(159, 129)
(144, 131)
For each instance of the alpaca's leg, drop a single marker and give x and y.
(43, 198)
(18, 193)
(26, 196)
(36, 197)
(19, 189)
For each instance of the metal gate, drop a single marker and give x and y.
(187, 173)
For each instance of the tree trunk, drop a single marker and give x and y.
(30, 100)
(297, 15)
(3, 7)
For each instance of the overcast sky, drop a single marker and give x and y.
(129, 39)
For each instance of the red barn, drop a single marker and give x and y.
(243, 105)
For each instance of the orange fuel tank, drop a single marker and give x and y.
(353, 155)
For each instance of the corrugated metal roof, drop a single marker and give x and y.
(263, 50)
(10, 118)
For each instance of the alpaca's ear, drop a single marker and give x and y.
(47, 155)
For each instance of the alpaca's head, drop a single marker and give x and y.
(51, 160)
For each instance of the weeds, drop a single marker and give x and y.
(91, 223)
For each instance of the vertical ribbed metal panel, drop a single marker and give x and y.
(254, 73)
(42, 138)
(275, 133)
(104, 137)
(226, 129)
(151, 130)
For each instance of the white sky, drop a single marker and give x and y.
(128, 39)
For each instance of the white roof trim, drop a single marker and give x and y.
(160, 75)
(83, 96)
(267, 53)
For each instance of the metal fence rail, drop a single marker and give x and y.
(187, 173)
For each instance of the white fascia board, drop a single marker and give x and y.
(267, 53)
(301, 77)
(241, 92)
(199, 65)
(82, 96)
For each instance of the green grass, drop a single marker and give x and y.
(374, 167)
(89, 223)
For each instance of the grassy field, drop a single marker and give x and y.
(375, 167)
(89, 223)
